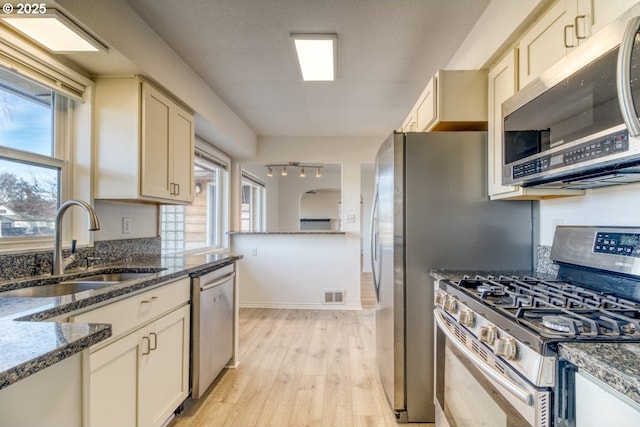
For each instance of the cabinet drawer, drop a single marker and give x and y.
(130, 313)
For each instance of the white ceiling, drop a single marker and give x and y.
(387, 51)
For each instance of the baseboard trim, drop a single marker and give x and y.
(300, 306)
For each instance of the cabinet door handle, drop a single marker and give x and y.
(155, 341)
(566, 27)
(149, 301)
(177, 193)
(584, 21)
(148, 350)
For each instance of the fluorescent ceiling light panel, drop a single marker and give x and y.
(55, 32)
(316, 56)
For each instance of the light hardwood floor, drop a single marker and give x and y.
(298, 368)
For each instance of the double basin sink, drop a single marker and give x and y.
(80, 284)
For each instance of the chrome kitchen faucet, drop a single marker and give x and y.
(59, 264)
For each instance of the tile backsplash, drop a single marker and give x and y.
(109, 251)
(544, 264)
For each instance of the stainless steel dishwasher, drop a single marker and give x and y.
(213, 301)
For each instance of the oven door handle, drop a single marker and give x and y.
(623, 77)
(503, 380)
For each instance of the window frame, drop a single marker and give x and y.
(72, 133)
(212, 159)
(58, 160)
(257, 220)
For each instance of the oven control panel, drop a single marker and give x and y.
(625, 244)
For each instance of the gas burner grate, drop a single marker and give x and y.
(561, 324)
(581, 322)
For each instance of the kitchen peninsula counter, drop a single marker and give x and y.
(615, 364)
(32, 340)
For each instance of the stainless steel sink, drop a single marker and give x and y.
(55, 290)
(68, 287)
(110, 277)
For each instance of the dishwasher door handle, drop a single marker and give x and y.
(218, 282)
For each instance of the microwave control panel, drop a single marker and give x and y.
(597, 148)
(625, 244)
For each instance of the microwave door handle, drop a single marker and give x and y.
(502, 379)
(623, 77)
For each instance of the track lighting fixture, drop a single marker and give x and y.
(302, 167)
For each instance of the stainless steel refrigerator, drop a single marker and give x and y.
(431, 211)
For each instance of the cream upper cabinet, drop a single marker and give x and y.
(425, 110)
(562, 28)
(502, 85)
(602, 11)
(410, 124)
(144, 143)
(548, 40)
(452, 100)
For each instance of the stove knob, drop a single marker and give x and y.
(451, 304)
(440, 298)
(466, 318)
(506, 347)
(488, 334)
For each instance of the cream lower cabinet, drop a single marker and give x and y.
(141, 376)
(141, 379)
(163, 374)
(113, 384)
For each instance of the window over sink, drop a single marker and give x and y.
(33, 144)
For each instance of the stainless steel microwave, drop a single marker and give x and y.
(576, 126)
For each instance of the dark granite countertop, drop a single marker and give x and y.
(615, 364)
(28, 344)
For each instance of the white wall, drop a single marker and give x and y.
(351, 152)
(321, 204)
(284, 193)
(619, 205)
(293, 271)
(292, 188)
(144, 220)
(496, 27)
(312, 263)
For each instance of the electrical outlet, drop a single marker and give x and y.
(126, 225)
(254, 252)
(351, 219)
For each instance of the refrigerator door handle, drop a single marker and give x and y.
(374, 245)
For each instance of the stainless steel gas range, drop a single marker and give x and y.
(497, 335)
